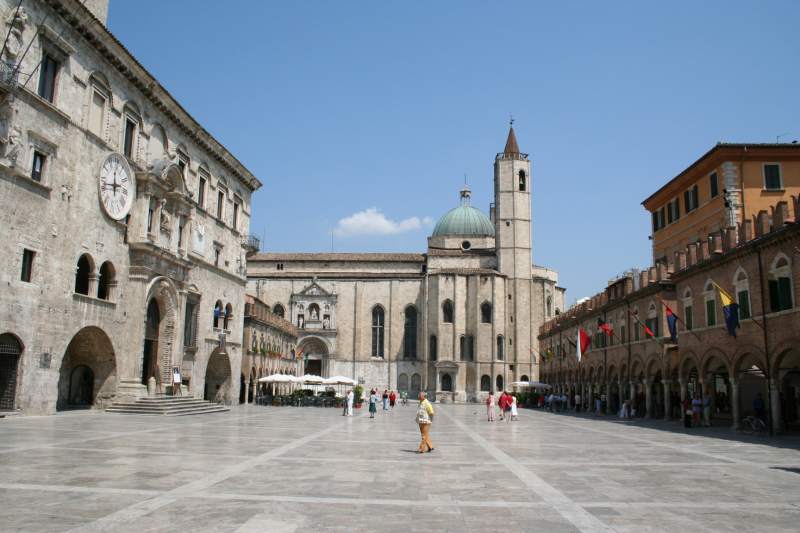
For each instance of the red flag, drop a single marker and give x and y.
(586, 340)
(604, 326)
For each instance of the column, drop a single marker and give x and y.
(255, 391)
(775, 400)
(246, 390)
(682, 385)
(620, 394)
(735, 402)
(667, 407)
(648, 399)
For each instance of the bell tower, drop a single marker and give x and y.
(512, 194)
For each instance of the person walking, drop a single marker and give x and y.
(577, 402)
(404, 398)
(350, 397)
(513, 408)
(373, 403)
(424, 420)
(490, 407)
(392, 399)
(385, 399)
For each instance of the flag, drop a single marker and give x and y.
(584, 341)
(730, 309)
(647, 330)
(672, 324)
(604, 326)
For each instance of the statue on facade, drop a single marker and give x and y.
(12, 145)
(16, 22)
(166, 218)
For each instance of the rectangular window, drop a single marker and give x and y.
(780, 294)
(711, 312)
(622, 334)
(659, 220)
(216, 257)
(150, 220)
(220, 204)
(695, 197)
(744, 304)
(713, 185)
(691, 199)
(27, 265)
(689, 318)
(48, 72)
(38, 165)
(772, 176)
(130, 136)
(181, 226)
(236, 215)
(201, 192)
(97, 113)
(189, 325)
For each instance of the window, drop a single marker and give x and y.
(652, 321)
(772, 176)
(130, 136)
(217, 313)
(228, 315)
(201, 190)
(236, 216)
(278, 310)
(190, 325)
(522, 183)
(410, 333)
(82, 274)
(549, 306)
(467, 348)
(658, 219)
(501, 348)
(150, 216)
(377, 331)
(623, 338)
(447, 383)
(688, 312)
(447, 312)
(486, 313)
(181, 227)
(220, 204)
(711, 305)
(486, 383)
(48, 73)
(499, 382)
(217, 253)
(97, 112)
(713, 184)
(38, 165)
(106, 281)
(742, 288)
(780, 285)
(673, 211)
(691, 199)
(433, 348)
(27, 265)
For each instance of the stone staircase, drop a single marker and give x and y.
(167, 406)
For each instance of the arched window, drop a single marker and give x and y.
(462, 346)
(410, 333)
(522, 181)
(499, 382)
(652, 319)
(742, 288)
(780, 284)
(416, 383)
(447, 312)
(467, 346)
(486, 313)
(433, 348)
(486, 383)
(106, 281)
(524, 378)
(549, 306)
(402, 382)
(278, 310)
(636, 329)
(501, 347)
(447, 383)
(217, 313)
(228, 315)
(710, 299)
(83, 274)
(377, 331)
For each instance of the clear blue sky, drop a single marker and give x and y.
(378, 109)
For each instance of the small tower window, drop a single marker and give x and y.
(522, 181)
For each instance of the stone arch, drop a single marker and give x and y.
(416, 384)
(637, 367)
(316, 351)
(218, 384)
(11, 350)
(402, 382)
(787, 352)
(88, 372)
(159, 349)
(714, 359)
(687, 362)
(85, 274)
(652, 367)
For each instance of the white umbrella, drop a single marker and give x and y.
(311, 379)
(538, 385)
(520, 383)
(277, 378)
(339, 380)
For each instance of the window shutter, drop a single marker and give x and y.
(774, 296)
(785, 293)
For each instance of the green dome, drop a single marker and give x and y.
(464, 220)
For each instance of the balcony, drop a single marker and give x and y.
(251, 243)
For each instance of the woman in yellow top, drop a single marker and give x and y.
(424, 419)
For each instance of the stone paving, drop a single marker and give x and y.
(266, 469)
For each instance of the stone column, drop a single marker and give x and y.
(620, 394)
(682, 385)
(648, 399)
(775, 400)
(246, 390)
(255, 389)
(735, 402)
(665, 384)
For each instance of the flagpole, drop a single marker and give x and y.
(679, 318)
(734, 300)
(766, 338)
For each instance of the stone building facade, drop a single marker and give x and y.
(457, 321)
(124, 221)
(270, 347)
(756, 264)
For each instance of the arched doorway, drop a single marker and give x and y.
(88, 375)
(315, 352)
(788, 372)
(416, 385)
(10, 354)
(218, 378)
(150, 356)
(716, 386)
(447, 383)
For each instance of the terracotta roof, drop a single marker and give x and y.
(512, 148)
(344, 257)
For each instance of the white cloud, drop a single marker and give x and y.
(372, 222)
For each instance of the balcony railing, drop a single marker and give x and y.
(251, 243)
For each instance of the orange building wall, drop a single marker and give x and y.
(756, 198)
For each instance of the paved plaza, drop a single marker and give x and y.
(266, 469)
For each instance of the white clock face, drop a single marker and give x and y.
(116, 186)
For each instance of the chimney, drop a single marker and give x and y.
(680, 260)
(729, 239)
(691, 252)
(762, 223)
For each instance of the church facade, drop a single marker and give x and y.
(457, 321)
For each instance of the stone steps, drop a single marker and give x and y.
(167, 406)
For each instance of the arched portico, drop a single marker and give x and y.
(161, 324)
(218, 383)
(88, 374)
(315, 353)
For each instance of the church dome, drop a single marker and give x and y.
(464, 220)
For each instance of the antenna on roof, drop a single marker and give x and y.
(511, 120)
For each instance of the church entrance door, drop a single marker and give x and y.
(150, 356)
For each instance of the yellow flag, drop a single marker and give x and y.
(724, 297)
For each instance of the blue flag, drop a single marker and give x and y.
(731, 312)
(672, 324)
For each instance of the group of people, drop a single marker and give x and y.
(388, 399)
(507, 404)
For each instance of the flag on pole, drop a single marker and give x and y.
(730, 309)
(584, 341)
(605, 327)
(672, 324)
(647, 330)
